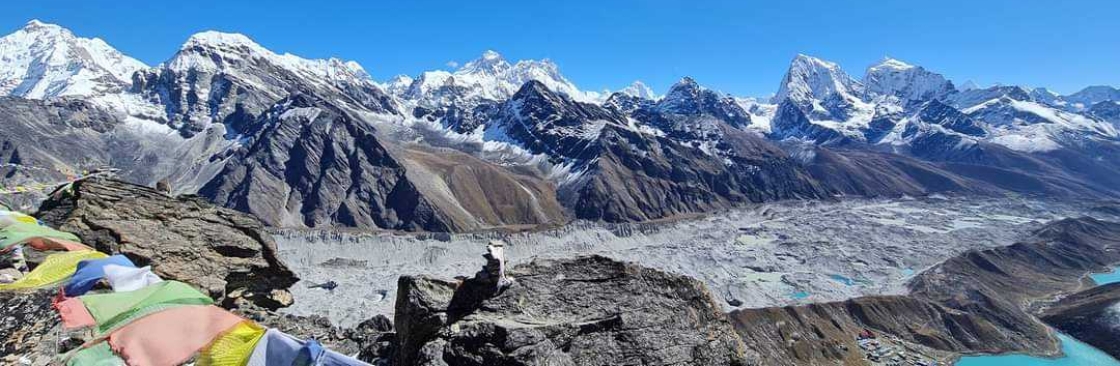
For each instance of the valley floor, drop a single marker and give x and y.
(767, 255)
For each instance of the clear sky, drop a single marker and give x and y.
(737, 46)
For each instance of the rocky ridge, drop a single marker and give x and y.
(1092, 316)
(982, 301)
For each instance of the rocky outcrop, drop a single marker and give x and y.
(222, 251)
(584, 311)
(1092, 316)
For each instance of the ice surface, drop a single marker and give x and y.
(767, 255)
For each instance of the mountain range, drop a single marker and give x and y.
(319, 143)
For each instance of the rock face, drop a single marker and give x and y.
(310, 163)
(1092, 316)
(187, 239)
(584, 311)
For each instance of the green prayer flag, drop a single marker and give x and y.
(114, 310)
(19, 233)
(98, 355)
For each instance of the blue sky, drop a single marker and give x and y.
(741, 47)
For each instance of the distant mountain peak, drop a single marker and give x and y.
(640, 90)
(43, 60)
(686, 87)
(37, 24)
(490, 62)
(892, 63)
(489, 77)
(491, 55)
(907, 82)
(214, 50)
(810, 78)
(216, 38)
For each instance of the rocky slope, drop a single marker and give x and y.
(978, 302)
(1092, 316)
(583, 311)
(310, 163)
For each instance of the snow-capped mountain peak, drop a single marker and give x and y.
(491, 63)
(1089, 96)
(44, 60)
(969, 85)
(213, 51)
(810, 78)
(688, 98)
(220, 39)
(892, 77)
(489, 77)
(398, 85)
(640, 90)
(889, 63)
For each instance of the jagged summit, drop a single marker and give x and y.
(490, 62)
(810, 78)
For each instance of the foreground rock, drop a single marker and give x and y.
(584, 311)
(1092, 316)
(224, 252)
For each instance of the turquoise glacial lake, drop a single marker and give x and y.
(1103, 278)
(1076, 354)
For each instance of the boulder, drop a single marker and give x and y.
(584, 311)
(224, 252)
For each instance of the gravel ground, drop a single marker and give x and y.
(766, 255)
